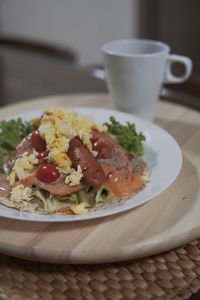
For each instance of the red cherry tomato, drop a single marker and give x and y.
(47, 173)
(103, 147)
(43, 155)
(37, 142)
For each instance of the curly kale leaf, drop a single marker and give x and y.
(127, 136)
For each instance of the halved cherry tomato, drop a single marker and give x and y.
(43, 155)
(47, 173)
(103, 147)
(37, 142)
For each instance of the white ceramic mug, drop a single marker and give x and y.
(136, 70)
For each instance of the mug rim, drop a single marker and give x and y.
(165, 47)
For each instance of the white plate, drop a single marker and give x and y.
(162, 154)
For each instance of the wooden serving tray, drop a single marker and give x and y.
(168, 221)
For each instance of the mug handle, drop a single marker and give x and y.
(186, 61)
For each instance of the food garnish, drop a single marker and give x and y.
(127, 136)
(11, 133)
(65, 163)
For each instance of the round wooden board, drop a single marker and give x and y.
(167, 221)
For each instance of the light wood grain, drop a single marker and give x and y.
(167, 221)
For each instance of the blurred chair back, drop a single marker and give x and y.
(31, 68)
(38, 47)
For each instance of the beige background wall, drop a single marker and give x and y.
(83, 24)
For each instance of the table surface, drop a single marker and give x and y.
(29, 77)
(172, 218)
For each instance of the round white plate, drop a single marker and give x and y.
(162, 154)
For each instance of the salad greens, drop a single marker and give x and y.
(11, 133)
(49, 201)
(126, 136)
(52, 203)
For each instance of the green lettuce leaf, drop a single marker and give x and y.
(126, 136)
(11, 134)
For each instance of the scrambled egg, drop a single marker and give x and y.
(74, 177)
(21, 193)
(23, 167)
(79, 209)
(58, 126)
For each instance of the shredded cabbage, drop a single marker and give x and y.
(102, 196)
(50, 202)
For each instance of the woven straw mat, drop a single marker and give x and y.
(172, 275)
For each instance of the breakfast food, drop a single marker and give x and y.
(65, 163)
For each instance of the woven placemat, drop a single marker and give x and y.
(172, 275)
